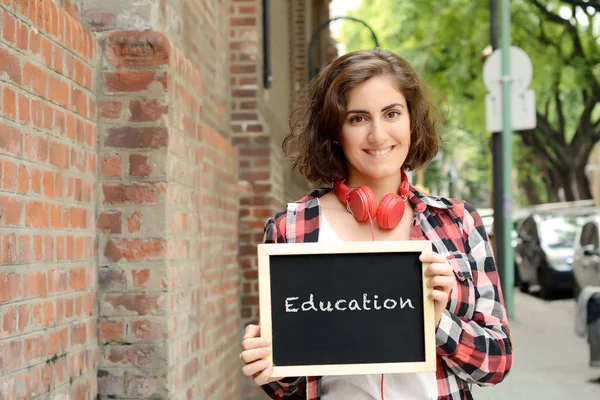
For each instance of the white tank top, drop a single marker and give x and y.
(410, 386)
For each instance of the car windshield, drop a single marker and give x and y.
(559, 232)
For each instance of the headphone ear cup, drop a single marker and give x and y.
(361, 201)
(390, 211)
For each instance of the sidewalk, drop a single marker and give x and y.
(551, 361)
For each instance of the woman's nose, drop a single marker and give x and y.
(376, 132)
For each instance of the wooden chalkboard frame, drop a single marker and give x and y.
(265, 251)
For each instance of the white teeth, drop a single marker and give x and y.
(379, 152)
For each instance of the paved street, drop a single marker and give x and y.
(551, 361)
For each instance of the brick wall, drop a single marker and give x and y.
(169, 308)
(202, 214)
(139, 158)
(132, 205)
(47, 203)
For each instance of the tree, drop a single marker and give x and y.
(445, 40)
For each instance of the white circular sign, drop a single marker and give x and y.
(521, 70)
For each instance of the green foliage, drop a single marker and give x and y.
(445, 40)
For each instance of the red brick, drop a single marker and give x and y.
(37, 113)
(136, 249)
(148, 331)
(24, 252)
(58, 60)
(144, 193)
(10, 286)
(9, 322)
(77, 217)
(110, 166)
(49, 248)
(78, 334)
(79, 101)
(48, 313)
(9, 103)
(146, 110)
(35, 42)
(38, 247)
(47, 50)
(138, 165)
(129, 81)
(110, 109)
(36, 214)
(78, 278)
(138, 49)
(36, 147)
(23, 317)
(137, 138)
(48, 182)
(36, 180)
(58, 91)
(24, 108)
(141, 304)
(57, 281)
(9, 30)
(9, 175)
(23, 179)
(35, 79)
(11, 210)
(243, 21)
(111, 330)
(22, 32)
(59, 155)
(35, 284)
(48, 117)
(134, 222)
(110, 222)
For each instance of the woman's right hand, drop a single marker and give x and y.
(255, 351)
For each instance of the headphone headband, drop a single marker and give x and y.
(343, 190)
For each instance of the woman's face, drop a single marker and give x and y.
(375, 133)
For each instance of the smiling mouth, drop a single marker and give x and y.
(379, 153)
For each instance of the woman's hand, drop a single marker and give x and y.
(255, 350)
(441, 280)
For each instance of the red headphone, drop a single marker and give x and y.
(361, 203)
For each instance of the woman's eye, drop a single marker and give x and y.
(357, 119)
(393, 114)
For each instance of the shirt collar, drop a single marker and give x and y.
(420, 201)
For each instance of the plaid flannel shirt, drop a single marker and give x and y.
(473, 341)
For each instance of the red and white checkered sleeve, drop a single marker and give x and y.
(478, 350)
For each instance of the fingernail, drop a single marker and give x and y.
(269, 342)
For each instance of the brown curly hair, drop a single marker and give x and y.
(316, 122)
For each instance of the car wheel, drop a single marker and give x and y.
(546, 289)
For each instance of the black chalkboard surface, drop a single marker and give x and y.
(346, 308)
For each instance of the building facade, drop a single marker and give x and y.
(140, 155)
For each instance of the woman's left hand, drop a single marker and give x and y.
(441, 280)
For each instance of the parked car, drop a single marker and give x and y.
(544, 249)
(586, 257)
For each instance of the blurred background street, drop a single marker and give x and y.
(551, 361)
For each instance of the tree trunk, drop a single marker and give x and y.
(531, 191)
(583, 183)
(552, 186)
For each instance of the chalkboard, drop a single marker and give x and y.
(346, 308)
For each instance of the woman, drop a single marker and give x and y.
(365, 119)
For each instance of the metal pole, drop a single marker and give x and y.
(498, 186)
(507, 155)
